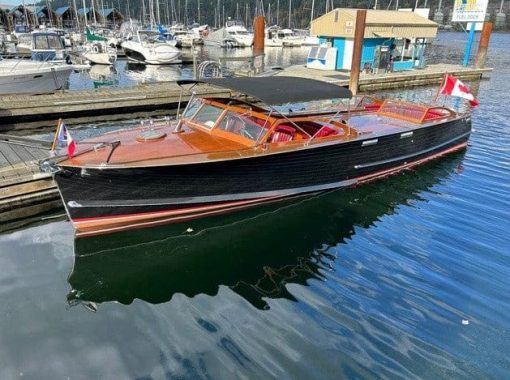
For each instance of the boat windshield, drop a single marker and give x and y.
(242, 125)
(47, 41)
(207, 115)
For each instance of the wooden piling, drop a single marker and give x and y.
(258, 38)
(481, 56)
(359, 33)
(258, 44)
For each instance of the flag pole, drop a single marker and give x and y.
(440, 86)
(57, 132)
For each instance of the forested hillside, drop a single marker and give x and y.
(214, 12)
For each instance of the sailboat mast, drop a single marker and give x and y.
(94, 12)
(198, 11)
(158, 15)
(25, 14)
(77, 16)
(277, 11)
(311, 12)
(85, 14)
(290, 10)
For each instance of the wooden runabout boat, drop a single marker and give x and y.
(225, 154)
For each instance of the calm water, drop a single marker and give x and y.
(404, 278)
(125, 74)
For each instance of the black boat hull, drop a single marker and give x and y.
(110, 199)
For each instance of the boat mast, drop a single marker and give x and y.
(186, 12)
(311, 12)
(76, 15)
(198, 11)
(25, 14)
(277, 11)
(158, 15)
(85, 14)
(94, 12)
(103, 21)
(290, 10)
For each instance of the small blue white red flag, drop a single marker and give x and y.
(64, 136)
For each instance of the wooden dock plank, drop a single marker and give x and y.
(3, 159)
(23, 153)
(9, 153)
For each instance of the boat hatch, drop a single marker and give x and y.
(151, 135)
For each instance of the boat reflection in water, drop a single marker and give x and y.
(104, 76)
(254, 252)
(147, 73)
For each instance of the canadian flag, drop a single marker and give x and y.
(454, 87)
(64, 135)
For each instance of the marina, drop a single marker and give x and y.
(342, 221)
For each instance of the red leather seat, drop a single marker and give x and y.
(283, 133)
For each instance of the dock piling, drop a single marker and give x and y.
(481, 56)
(359, 33)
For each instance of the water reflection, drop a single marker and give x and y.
(104, 76)
(152, 73)
(255, 253)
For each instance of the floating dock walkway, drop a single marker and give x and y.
(24, 191)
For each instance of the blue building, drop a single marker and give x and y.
(393, 40)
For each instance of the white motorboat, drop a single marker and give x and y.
(44, 45)
(271, 37)
(144, 47)
(186, 38)
(19, 76)
(289, 38)
(234, 34)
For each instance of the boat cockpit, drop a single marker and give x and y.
(252, 125)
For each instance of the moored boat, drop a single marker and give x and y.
(147, 48)
(226, 154)
(18, 76)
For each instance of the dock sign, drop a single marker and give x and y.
(469, 10)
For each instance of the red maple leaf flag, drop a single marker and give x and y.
(454, 87)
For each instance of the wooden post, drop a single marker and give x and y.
(258, 44)
(481, 56)
(258, 38)
(359, 33)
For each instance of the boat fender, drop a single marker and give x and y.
(95, 49)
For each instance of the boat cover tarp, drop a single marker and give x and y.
(277, 90)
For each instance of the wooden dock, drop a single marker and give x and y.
(24, 190)
(19, 112)
(432, 74)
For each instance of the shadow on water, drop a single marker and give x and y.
(254, 253)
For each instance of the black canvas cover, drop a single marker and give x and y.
(278, 90)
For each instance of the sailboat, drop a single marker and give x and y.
(96, 50)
